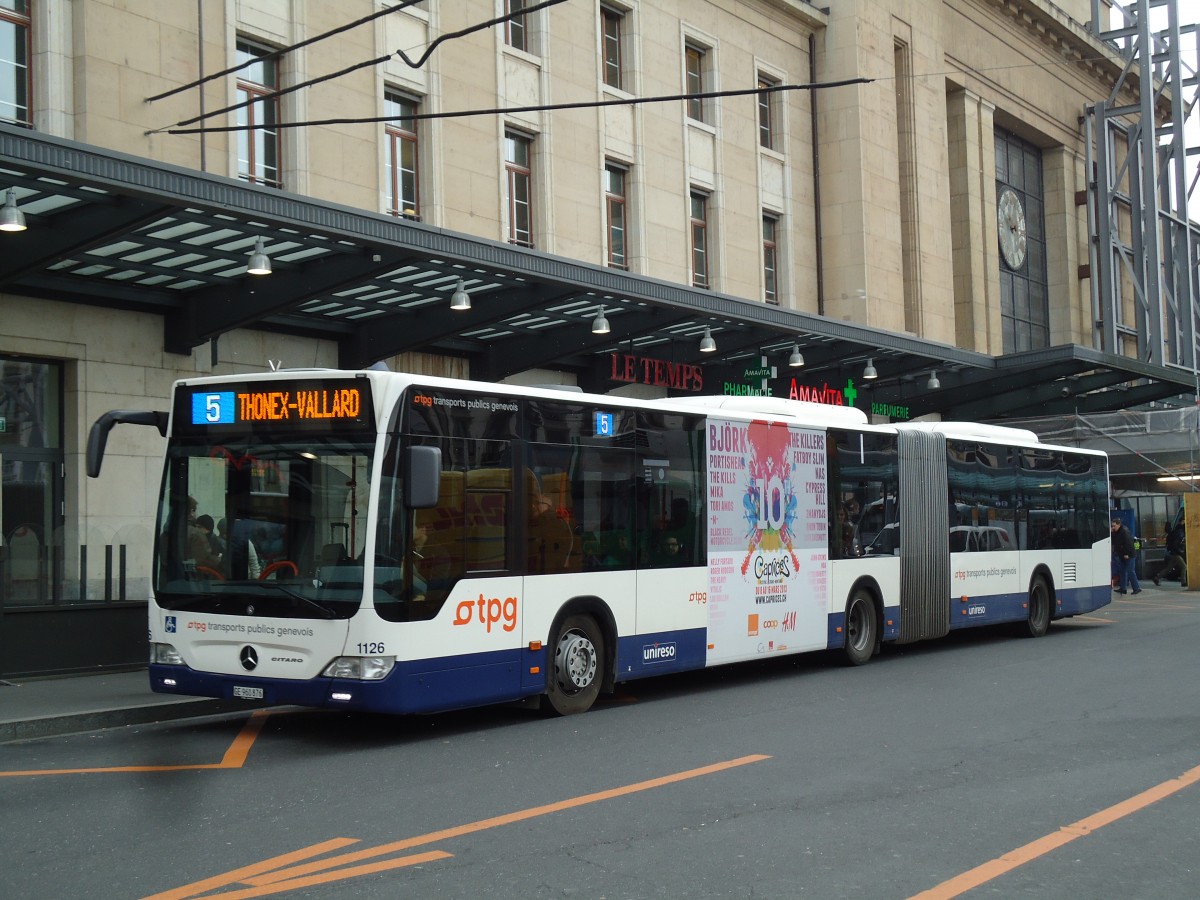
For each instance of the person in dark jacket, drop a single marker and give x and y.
(1175, 565)
(1124, 558)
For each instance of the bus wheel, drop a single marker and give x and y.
(862, 628)
(578, 666)
(1038, 621)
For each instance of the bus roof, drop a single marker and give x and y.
(800, 411)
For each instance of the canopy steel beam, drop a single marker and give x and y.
(213, 311)
(72, 232)
(534, 350)
(418, 329)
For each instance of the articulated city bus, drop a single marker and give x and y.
(393, 542)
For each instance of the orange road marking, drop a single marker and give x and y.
(982, 874)
(325, 878)
(287, 859)
(234, 758)
(273, 876)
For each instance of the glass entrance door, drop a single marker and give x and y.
(31, 465)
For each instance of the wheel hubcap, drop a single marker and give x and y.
(856, 626)
(575, 662)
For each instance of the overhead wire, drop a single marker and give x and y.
(353, 68)
(275, 54)
(596, 104)
(524, 11)
(176, 129)
(542, 107)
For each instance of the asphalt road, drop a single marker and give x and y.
(981, 766)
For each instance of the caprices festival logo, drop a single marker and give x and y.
(769, 505)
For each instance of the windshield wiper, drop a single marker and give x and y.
(326, 612)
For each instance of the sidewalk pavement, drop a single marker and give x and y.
(45, 707)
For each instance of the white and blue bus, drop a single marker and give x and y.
(399, 543)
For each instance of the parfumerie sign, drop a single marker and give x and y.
(631, 369)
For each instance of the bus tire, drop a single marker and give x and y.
(862, 628)
(578, 667)
(1037, 623)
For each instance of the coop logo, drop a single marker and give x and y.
(488, 612)
(169, 625)
(656, 653)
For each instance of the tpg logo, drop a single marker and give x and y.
(488, 612)
(656, 653)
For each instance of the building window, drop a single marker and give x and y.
(516, 34)
(31, 484)
(519, 173)
(695, 62)
(403, 195)
(766, 113)
(15, 88)
(258, 147)
(1024, 289)
(610, 28)
(614, 197)
(699, 232)
(770, 261)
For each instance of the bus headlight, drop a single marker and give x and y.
(360, 668)
(165, 655)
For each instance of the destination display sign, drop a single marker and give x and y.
(276, 406)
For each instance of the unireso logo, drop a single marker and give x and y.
(656, 653)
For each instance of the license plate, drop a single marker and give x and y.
(247, 693)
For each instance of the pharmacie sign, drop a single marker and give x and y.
(628, 368)
(762, 374)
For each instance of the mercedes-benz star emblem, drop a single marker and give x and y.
(249, 658)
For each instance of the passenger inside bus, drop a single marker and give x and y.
(671, 553)
(419, 583)
(549, 537)
(841, 537)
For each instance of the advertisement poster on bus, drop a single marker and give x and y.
(768, 536)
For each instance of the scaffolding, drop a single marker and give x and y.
(1149, 450)
(1145, 250)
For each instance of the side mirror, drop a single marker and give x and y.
(422, 477)
(98, 436)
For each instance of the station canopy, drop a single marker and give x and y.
(118, 231)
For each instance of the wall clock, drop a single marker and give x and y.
(1011, 216)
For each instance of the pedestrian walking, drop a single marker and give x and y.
(1124, 558)
(1175, 565)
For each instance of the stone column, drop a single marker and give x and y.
(976, 259)
(1066, 248)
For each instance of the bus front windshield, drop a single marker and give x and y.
(248, 527)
